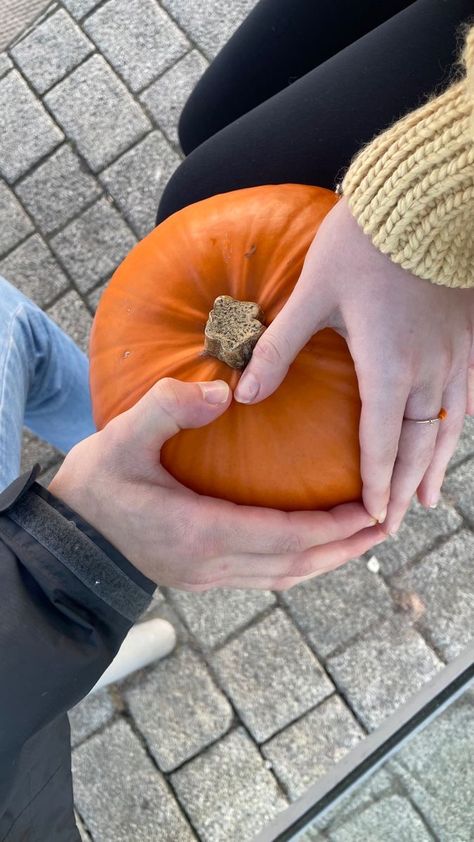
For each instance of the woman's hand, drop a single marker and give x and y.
(412, 345)
(115, 481)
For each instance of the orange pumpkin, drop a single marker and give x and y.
(297, 449)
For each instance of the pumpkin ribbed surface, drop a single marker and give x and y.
(297, 449)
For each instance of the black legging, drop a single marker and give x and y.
(303, 84)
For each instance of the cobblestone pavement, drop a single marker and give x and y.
(264, 692)
(16, 16)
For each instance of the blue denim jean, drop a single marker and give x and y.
(44, 382)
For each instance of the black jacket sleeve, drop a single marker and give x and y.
(68, 598)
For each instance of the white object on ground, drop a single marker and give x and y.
(146, 642)
(373, 564)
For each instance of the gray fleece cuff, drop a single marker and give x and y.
(65, 539)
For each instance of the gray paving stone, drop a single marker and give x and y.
(176, 723)
(90, 715)
(137, 180)
(94, 297)
(214, 615)
(6, 64)
(466, 443)
(120, 794)
(57, 190)
(437, 770)
(80, 8)
(32, 268)
(72, 316)
(420, 529)
(380, 784)
(210, 22)
(15, 223)
(391, 819)
(166, 97)
(331, 609)
(382, 670)
(92, 246)
(35, 449)
(17, 16)
(227, 791)
(311, 835)
(310, 747)
(138, 38)
(458, 488)
(50, 50)
(271, 675)
(441, 589)
(28, 131)
(97, 112)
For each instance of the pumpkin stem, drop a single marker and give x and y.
(232, 330)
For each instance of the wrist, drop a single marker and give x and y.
(75, 484)
(98, 496)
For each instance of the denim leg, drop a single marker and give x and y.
(43, 382)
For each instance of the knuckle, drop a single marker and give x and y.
(379, 456)
(292, 543)
(207, 536)
(114, 437)
(392, 380)
(397, 378)
(270, 351)
(301, 566)
(200, 542)
(458, 372)
(400, 502)
(401, 506)
(377, 489)
(191, 533)
(417, 458)
(423, 388)
(165, 384)
(167, 393)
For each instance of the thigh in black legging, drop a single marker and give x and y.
(308, 132)
(277, 43)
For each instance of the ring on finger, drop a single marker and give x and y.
(442, 414)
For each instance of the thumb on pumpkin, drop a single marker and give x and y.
(280, 344)
(172, 405)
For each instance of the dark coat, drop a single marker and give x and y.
(68, 600)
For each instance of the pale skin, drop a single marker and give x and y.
(181, 539)
(412, 342)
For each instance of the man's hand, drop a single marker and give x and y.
(181, 539)
(413, 350)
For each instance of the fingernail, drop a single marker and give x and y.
(394, 529)
(372, 521)
(215, 392)
(383, 514)
(247, 389)
(434, 501)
